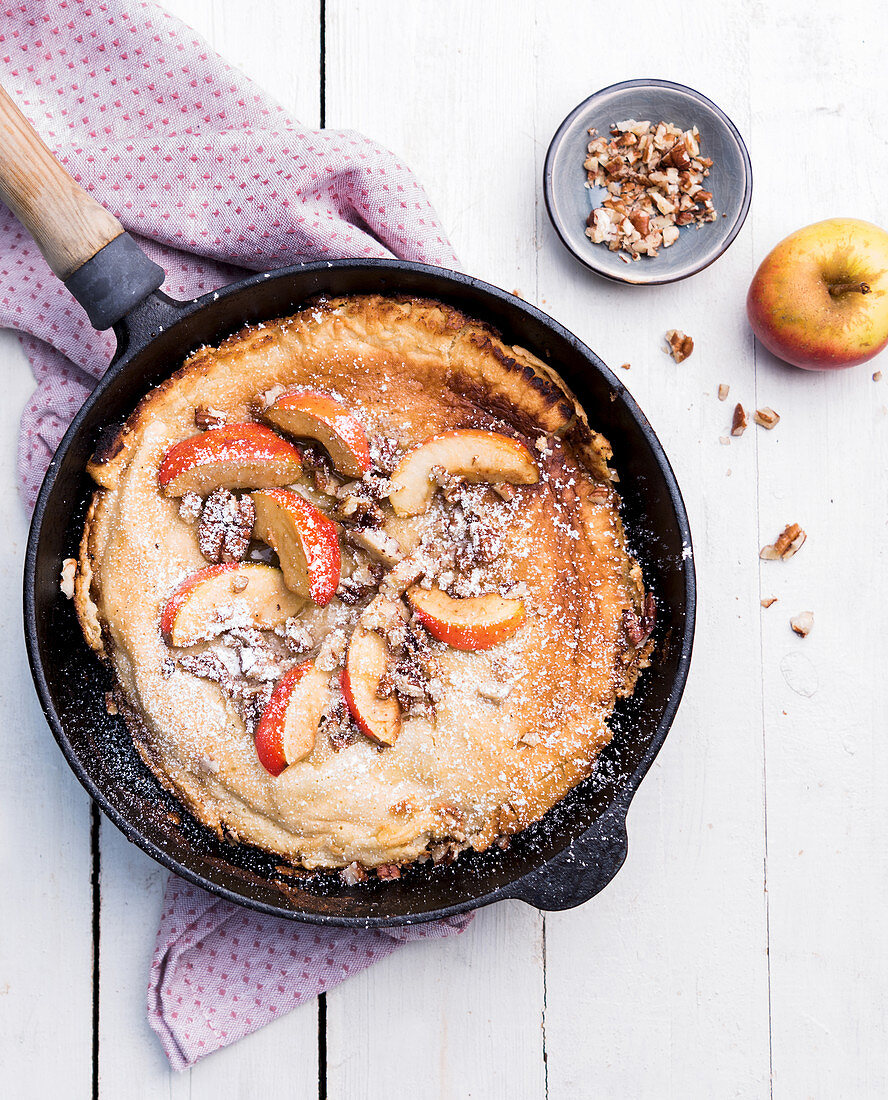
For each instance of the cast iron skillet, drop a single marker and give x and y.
(558, 863)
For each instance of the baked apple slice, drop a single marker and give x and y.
(314, 415)
(306, 542)
(470, 453)
(237, 456)
(195, 612)
(365, 665)
(285, 734)
(475, 622)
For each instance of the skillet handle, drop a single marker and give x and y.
(71, 229)
(582, 870)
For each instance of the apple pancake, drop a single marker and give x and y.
(361, 576)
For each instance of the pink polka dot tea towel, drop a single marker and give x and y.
(212, 178)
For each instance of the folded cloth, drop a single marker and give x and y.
(209, 173)
(220, 972)
(212, 177)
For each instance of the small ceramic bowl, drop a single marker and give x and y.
(569, 201)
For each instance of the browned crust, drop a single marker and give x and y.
(511, 383)
(84, 604)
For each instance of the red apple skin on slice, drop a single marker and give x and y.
(237, 456)
(285, 734)
(189, 615)
(470, 453)
(365, 665)
(306, 542)
(313, 415)
(476, 622)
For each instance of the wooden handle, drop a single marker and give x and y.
(68, 225)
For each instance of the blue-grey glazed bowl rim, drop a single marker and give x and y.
(588, 259)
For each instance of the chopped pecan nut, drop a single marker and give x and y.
(677, 157)
(263, 401)
(679, 345)
(337, 724)
(789, 542)
(803, 623)
(362, 582)
(723, 390)
(387, 871)
(385, 453)
(332, 652)
(639, 628)
(69, 572)
(205, 417)
(768, 600)
(446, 852)
(353, 874)
(226, 524)
(190, 507)
(388, 618)
(766, 417)
(208, 666)
(375, 485)
(495, 692)
(408, 571)
(295, 635)
(317, 466)
(359, 512)
(379, 544)
(740, 421)
(385, 689)
(653, 175)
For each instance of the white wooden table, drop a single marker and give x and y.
(741, 951)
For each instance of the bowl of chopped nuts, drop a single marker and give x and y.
(647, 182)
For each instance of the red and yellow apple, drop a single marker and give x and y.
(237, 456)
(195, 611)
(474, 622)
(285, 734)
(315, 415)
(306, 542)
(365, 665)
(819, 300)
(469, 453)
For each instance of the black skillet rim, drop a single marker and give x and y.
(131, 832)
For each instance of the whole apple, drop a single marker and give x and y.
(819, 300)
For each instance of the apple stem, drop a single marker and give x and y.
(838, 289)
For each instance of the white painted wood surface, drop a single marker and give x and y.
(741, 950)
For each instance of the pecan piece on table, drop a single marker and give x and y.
(766, 417)
(789, 542)
(740, 421)
(680, 345)
(803, 623)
